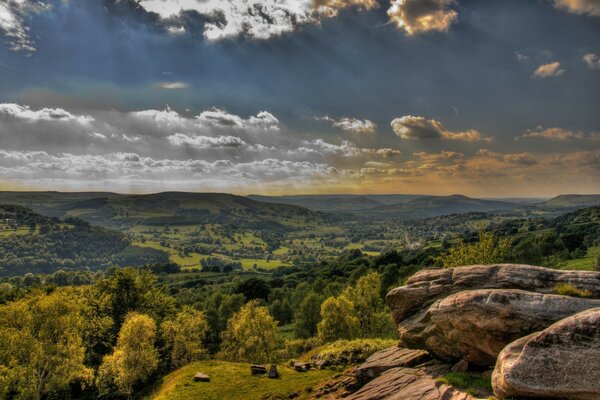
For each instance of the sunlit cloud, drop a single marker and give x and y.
(420, 16)
(173, 85)
(592, 61)
(588, 7)
(411, 127)
(559, 134)
(552, 69)
(12, 13)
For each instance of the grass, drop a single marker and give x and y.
(586, 263)
(566, 289)
(232, 381)
(474, 384)
(347, 352)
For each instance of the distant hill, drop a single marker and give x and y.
(431, 206)
(121, 211)
(572, 201)
(339, 203)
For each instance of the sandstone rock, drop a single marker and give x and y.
(475, 325)
(410, 384)
(562, 361)
(461, 366)
(389, 358)
(200, 377)
(427, 286)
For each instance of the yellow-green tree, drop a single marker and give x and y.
(368, 306)
(338, 319)
(41, 346)
(488, 250)
(134, 358)
(183, 336)
(251, 335)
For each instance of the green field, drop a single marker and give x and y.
(232, 381)
(587, 263)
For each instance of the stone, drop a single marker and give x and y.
(475, 325)
(258, 370)
(461, 366)
(320, 364)
(427, 286)
(200, 377)
(410, 384)
(301, 366)
(562, 361)
(273, 373)
(391, 357)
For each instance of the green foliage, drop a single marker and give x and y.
(183, 336)
(41, 346)
(338, 320)
(251, 335)
(308, 316)
(347, 352)
(470, 382)
(134, 359)
(567, 289)
(488, 250)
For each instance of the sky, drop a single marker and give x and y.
(483, 98)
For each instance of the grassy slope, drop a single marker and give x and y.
(232, 381)
(587, 263)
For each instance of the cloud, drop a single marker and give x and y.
(353, 125)
(559, 134)
(548, 70)
(16, 111)
(12, 24)
(205, 142)
(173, 85)
(420, 16)
(411, 127)
(592, 61)
(587, 7)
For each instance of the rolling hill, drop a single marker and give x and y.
(567, 201)
(431, 206)
(339, 203)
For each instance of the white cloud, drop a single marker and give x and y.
(205, 142)
(173, 85)
(12, 24)
(420, 16)
(11, 110)
(588, 7)
(411, 127)
(548, 70)
(592, 61)
(353, 125)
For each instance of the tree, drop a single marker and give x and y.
(41, 346)
(219, 307)
(134, 359)
(254, 288)
(183, 336)
(488, 250)
(368, 306)
(308, 316)
(337, 319)
(251, 335)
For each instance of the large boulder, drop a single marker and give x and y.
(410, 384)
(562, 361)
(392, 357)
(475, 325)
(429, 285)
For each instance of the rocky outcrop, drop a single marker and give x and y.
(562, 361)
(475, 325)
(410, 384)
(427, 286)
(389, 358)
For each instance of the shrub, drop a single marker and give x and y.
(346, 352)
(567, 289)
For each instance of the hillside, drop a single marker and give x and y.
(336, 203)
(30, 242)
(431, 206)
(572, 201)
(121, 211)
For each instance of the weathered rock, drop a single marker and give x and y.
(273, 373)
(461, 366)
(200, 377)
(301, 366)
(475, 325)
(392, 357)
(258, 369)
(410, 384)
(562, 361)
(429, 285)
